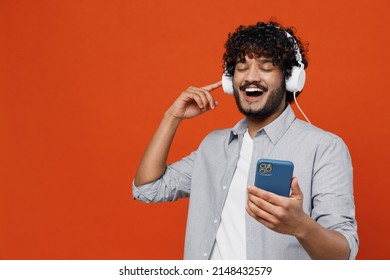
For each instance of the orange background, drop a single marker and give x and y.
(83, 86)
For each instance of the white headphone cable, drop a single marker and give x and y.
(296, 102)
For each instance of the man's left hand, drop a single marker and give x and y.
(279, 213)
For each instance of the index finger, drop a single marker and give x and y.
(265, 195)
(213, 86)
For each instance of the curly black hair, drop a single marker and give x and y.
(264, 39)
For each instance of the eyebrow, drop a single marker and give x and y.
(266, 60)
(261, 60)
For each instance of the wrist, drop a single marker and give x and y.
(171, 119)
(304, 228)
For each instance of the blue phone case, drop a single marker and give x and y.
(274, 176)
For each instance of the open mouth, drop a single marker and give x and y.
(253, 91)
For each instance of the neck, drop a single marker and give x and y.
(255, 124)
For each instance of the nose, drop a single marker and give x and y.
(253, 74)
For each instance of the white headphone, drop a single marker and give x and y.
(294, 83)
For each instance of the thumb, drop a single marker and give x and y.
(295, 189)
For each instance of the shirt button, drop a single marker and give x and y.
(215, 221)
(224, 187)
(205, 255)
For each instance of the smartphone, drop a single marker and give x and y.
(274, 176)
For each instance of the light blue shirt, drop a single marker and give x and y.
(322, 165)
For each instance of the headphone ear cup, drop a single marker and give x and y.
(227, 84)
(297, 80)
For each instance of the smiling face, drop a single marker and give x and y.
(259, 88)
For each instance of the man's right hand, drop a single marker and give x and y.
(194, 101)
(191, 103)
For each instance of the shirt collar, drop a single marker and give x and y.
(275, 130)
(238, 129)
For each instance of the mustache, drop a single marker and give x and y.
(257, 84)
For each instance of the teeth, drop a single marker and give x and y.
(253, 90)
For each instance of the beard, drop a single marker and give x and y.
(273, 102)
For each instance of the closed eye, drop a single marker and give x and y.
(267, 69)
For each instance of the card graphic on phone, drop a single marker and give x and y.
(274, 176)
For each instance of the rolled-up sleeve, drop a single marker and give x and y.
(332, 191)
(175, 183)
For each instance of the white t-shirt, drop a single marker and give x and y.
(231, 241)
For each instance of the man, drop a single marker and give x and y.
(228, 217)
